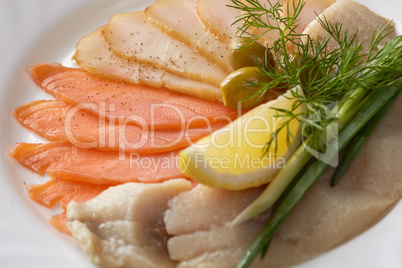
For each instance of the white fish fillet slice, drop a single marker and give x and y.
(94, 55)
(218, 237)
(130, 37)
(268, 37)
(178, 19)
(218, 18)
(308, 13)
(326, 217)
(382, 152)
(363, 19)
(313, 228)
(306, 16)
(198, 210)
(123, 226)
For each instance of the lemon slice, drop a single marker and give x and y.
(233, 157)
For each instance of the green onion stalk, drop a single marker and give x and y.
(359, 107)
(298, 160)
(375, 102)
(360, 81)
(348, 107)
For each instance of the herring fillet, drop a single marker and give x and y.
(55, 120)
(93, 55)
(363, 19)
(123, 226)
(131, 37)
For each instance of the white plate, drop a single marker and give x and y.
(34, 31)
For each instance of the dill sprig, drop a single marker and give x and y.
(342, 82)
(325, 75)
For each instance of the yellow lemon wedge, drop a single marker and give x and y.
(235, 158)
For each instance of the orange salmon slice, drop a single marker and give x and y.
(62, 160)
(137, 104)
(54, 192)
(55, 120)
(59, 222)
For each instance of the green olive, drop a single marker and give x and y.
(241, 89)
(245, 54)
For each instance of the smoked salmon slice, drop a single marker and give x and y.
(59, 222)
(55, 120)
(62, 160)
(53, 192)
(136, 104)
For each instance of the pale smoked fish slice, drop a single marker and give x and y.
(192, 211)
(61, 160)
(308, 13)
(366, 193)
(218, 237)
(178, 19)
(267, 37)
(123, 226)
(314, 227)
(55, 120)
(132, 38)
(94, 55)
(134, 104)
(218, 18)
(353, 16)
(382, 153)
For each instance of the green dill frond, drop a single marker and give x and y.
(326, 76)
